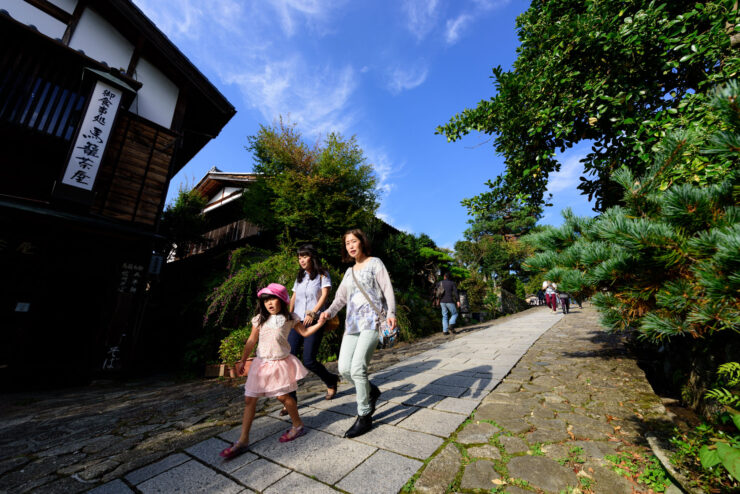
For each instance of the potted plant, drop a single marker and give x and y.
(231, 348)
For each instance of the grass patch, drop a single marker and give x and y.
(536, 450)
(645, 469)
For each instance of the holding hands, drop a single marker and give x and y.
(309, 319)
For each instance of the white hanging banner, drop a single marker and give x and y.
(92, 139)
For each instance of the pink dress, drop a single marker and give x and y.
(274, 370)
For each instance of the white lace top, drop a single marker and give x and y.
(273, 336)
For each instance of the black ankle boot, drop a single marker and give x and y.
(363, 424)
(374, 395)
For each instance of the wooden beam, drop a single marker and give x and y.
(73, 21)
(135, 56)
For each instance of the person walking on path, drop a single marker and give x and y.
(310, 294)
(362, 323)
(274, 371)
(564, 301)
(540, 297)
(551, 290)
(449, 302)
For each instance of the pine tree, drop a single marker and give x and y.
(667, 261)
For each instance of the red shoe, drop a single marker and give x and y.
(233, 451)
(292, 433)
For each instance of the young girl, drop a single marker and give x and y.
(274, 371)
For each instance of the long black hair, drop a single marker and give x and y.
(263, 314)
(316, 267)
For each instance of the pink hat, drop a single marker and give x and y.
(275, 289)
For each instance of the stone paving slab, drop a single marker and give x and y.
(433, 422)
(382, 472)
(115, 487)
(393, 413)
(327, 421)
(318, 454)
(260, 474)
(410, 398)
(208, 452)
(297, 483)
(261, 428)
(142, 474)
(191, 477)
(407, 443)
(462, 406)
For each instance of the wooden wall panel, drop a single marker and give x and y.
(134, 174)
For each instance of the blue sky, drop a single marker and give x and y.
(387, 71)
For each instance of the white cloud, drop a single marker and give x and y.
(315, 99)
(563, 187)
(567, 178)
(404, 78)
(421, 16)
(491, 4)
(237, 41)
(189, 19)
(455, 26)
(383, 167)
(315, 12)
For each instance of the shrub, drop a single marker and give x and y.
(231, 348)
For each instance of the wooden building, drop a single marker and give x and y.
(225, 223)
(98, 110)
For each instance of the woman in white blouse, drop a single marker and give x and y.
(310, 293)
(362, 323)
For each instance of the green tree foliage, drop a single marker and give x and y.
(182, 222)
(493, 255)
(233, 303)
(309, 194)
(666, 262)
(616, 73)
(494, 214)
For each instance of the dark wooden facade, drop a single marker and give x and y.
(76, 273)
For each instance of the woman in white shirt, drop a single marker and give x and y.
(362, 322)
(310, 293)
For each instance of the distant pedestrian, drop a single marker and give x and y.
(551, 290)
(310, 293)
(274, 371)
(540, 297)
(449, 302)
(367, 292)
(564, 301)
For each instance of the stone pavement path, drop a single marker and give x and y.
(574, 397)
(425, 399)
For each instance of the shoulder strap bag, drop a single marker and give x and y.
(386, 336)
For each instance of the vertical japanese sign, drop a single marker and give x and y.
(95, 128)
